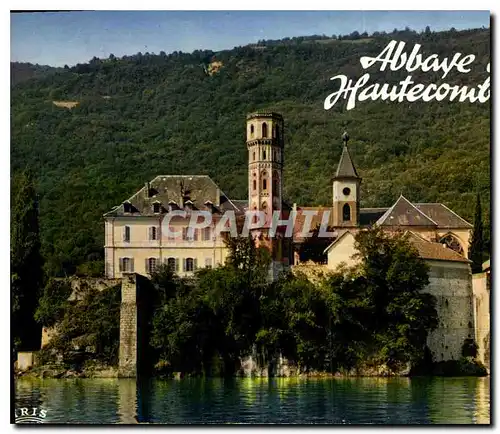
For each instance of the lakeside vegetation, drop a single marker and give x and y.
(369, 316)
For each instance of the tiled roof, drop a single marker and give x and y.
(404, 213)
(197, 192)
(443, 216)
(346, 168)
(435, 251)
(315, 222)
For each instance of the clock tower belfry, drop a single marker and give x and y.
(346, 189)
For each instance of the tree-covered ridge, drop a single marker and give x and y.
(21, 71)
(146, 114)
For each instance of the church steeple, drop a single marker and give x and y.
(346, 186)
(346, 168)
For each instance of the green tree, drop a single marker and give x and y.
(26, 263)
(397, 311)
(477, 242)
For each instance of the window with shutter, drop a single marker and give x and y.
(151, 265)
(189, 264)
(120, 265)
(207, 234)
(125, 264)
(132, 264)
(126, 233)
(153, 233)
(171, 263)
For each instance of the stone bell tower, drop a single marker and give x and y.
(265, 174)
(265, 161)
(346, 189)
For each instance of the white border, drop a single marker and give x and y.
(193, 5)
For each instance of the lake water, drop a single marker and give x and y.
(260, 401)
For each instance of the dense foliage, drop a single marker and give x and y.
(375, 312)
(26, 263)
(88, 326)
(144, 115)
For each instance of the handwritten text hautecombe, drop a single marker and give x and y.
(394, 57)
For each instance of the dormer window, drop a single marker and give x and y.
(157, 207)
(172, 206)
(127, 207)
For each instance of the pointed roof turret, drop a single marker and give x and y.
(345, 168)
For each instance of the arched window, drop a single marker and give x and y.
(151, 265)
(264, 130)
(189, 264)
(263, 154)
(253, 156)
(452, 243)
(126, 264)
(251, 130)
(255, 184)
(346, 212)
(264, 184)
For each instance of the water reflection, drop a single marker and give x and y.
(261, 400)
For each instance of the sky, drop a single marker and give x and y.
(67, 38)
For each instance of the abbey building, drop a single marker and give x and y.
(135, 235)
(136, 239)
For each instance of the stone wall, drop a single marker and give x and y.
(451, 284)
(25, 360)
(133, 326)
(481, 309)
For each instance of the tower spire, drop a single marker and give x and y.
(345, 168)
(346, 186)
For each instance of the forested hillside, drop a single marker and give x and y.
(20, 72)
(135, 117)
